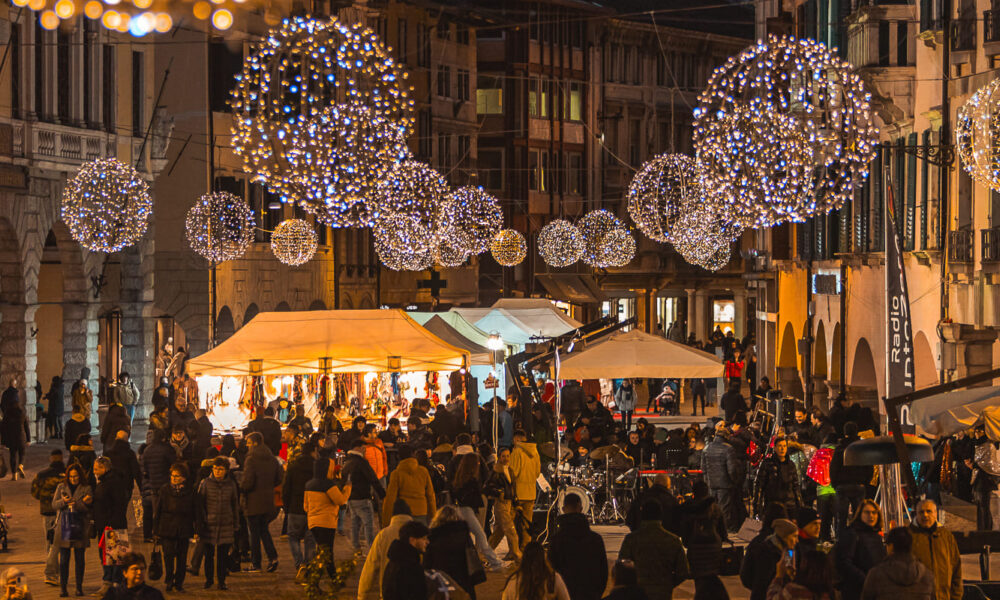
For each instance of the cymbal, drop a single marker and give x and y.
(549, 449)
(604, 452)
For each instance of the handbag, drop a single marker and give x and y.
(750, 528)
(71, 525)
(155, 569)
(442, 587)
(474, 566)
(116, 545)
(731, 560)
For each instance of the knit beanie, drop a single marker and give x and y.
(806, 516)
(784, 527)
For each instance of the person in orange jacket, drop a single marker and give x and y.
(322, 499)
(375, 453)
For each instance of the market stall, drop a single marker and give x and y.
(950, 412)
(638, 354)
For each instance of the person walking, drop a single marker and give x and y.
(658, 555)
(217, 517)
(133, 585)
(525, 467)
(43, 488)
(935, 547)
(297, 474)
(261, 474)
(56, 407)
(322, 502)
(365, 491)
(116, 420)
(15, 433)
(111, 497)
(625, 402)
(500, 488)
(448, 550)
(577, 553)
(812, 580)
(467, 491)
(375, 453)
(155, 463)
(412, 483)
(404, 577)
(173, 525)
(126, 393)
(900, 576)
(72, 500)
(370, 582)
(732, 402)
(858, 549)
(124, 460)
(535, 579)
(77, 425)
(703, 529)
(723, 472)
(778, 480)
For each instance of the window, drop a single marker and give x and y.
(260, 200)
(545, 86)
(401, 40)
(444, 81)
(108, 89)
(464, 149)
(463, 85)
(574, 173)
(612, 68)
(883, 43)
(381, 27)
(574, 102)
(223, 66)
(424, 141)
(634, 141)
(15, 70)
(910, 225)
(444, 29)
(532, 97)
(89, 34)
(41, 75)
(138, 95)
(444, 153)
(576, 33)
(489, 96)
(538, 166)
(423, 46)
(902, 56)
(634, 63)
(462, 34)
(490, 168)
(64, 101)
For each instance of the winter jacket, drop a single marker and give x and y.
(525, 467)
(722, 468)
(659, 559)
(322, 498)
(412, 483)
(668, 508)
(703, 529)
(14, 431)
(782, 589)
(270, 429)
(83, 455)
(377, 458)
(578, 554)
(76, 426)
(125, 394)
(499, 484)
(298, 472)
(759, 563)
(111, 499)
(44, 485)
(899, 577)
(83, 400)
(364, 483)
(445, 423)
(625, 401)
(217, 510)
(370, 583)
(778, 481)
(841, 475)
(403, 578)
(732, 403)
(858, 549)
(139, 592)
(203, 439)
(937, 549)
(124, 461)
(559, 591)
(447, 552)
(155, 462)
(60, 504)
(174, 512)
(261, 474)
(470, 494)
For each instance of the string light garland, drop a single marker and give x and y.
(560, 243)
(595, 226)
(138, 17)
(106, 205)
(509, 247)
(975, 135)
(220, 226)
(470, 218)
(294, 241)
(320, 114)
(658, 191)
(770, 91)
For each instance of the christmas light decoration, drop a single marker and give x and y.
(595, 226)
(509, 247)
(106, 205)
(320, 114)
(220, 226)
(470, 218)
(785, 91)
(399, 238)
(560, 243)
(658, 191)
(293, 242)
(702, 229)
(138, 17)
(448, 255)
(718, 259)
(617, 248)
(975, 135)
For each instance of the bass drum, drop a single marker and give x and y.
(584, 494)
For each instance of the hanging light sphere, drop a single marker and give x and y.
(594, 226)
(220, 226)
(509, 247)
(658, 191)
(795, 84)
(703, 228)
(448, 255)
(617, 248)
(402, 240)
(294, 242)
(560, 243)
(718, 259)
(106, 205)
(470, 219)
(412, 188)
(975, 135)
(320, 114)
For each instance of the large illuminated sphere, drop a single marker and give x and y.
(658, 191)
(617, 248)
(814, 91)
(414, 189)
(402, 240)
(976, 135)
(595, 226)
(220, 226)
(106, 205)
(294, 241)
(320, 111)
(560, 243)
(447, 254)
(509, 247)
(718, 259)
(703, 228)
(470, 218)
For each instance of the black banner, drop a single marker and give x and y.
(899, 342)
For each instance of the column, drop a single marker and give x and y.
(703, 323)
(740, 318)
(80, 333)
(18, 358)
(692, 314)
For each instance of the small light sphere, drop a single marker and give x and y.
(975, 135)
(509, 247)
(220, 226)
(470, 219)
(93, 9)
(19, 2)
(560, 243)
(142, 4)
(718, 259)
(111, 19)
(617, 248)
(65, 9)
(658, 191)
(202, 10)
(402, 240)
(36, 5)
(222, 19)
(106, 205)
(448, 255)
(595, 226)
(49, 19)
(294, 241)
(164, 23)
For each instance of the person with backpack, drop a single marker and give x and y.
(703, 529)
(43, 488)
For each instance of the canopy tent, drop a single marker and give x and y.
(458, 322)
(638, 354)
(480, 355)
(352, 341)
(534, 308)
(950, 412)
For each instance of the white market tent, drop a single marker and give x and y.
(950, 412)
(353, 341)
(638, 354)
(480, 355)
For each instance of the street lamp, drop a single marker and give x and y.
(495, 344)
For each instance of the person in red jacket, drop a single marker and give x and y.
(734, 368)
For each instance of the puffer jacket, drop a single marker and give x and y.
(44, 485)
(577, 553)
(778, 481)
(155, 462)
(111, 498)
(322, 498)
(937, 549)
(721, 466)
(525, 467)
(703, 529)
(297, 474)
(899, 577)
(174, 512)
(412, 483)
(217, 510)
(364, 483)
(261, 474)
(377, 458)
(659, 558)
(858, 549)
(370, 583)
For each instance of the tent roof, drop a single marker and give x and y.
(950, 412)
(355, 341)
(441, 328)
(639, 354)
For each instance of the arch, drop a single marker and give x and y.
(788, 355)
(819, 353)
(283, 307)
(348, 302)
(925, 372)
(250, 313)
(367, 302)
(863, 372)
(17, 349)
(317, 305)
(224, 326)
(835, 355)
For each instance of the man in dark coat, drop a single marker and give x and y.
(299, 471)
(577, 553)
(403, 578)
(723, 472)
(124, 460)
(733, 402)
(203, 435)
(155, 462)
(762, 556)
(261, 474)
(111, 498)
(446, 423)
(778, 480)
(572, 400)
(848, 482)
(659, 492)
(180, 415)
(658, 555)
(269, 428)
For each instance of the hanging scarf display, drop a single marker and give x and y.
(947, 475)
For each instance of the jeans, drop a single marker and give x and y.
(503, 514)
(52, 558)
(130, 409)
(259, 533)
(826, 506)
(299, 536)
(727, 499)
(78, 556)
(324, 537)
(221, 554)
(626, 419)
(175, 551)
(482, 543)
(362, 517)
(342, 517)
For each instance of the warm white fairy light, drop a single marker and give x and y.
(594, 227)
(718, 259)
(509, 247)
(795, 84)
(293, 242)
(320, 113)
(470, 218)
(658, 191)
(560, 243)
(220, 226)
(447, 254)
(106, 205)
(703, 228)
(138, 17)
(617, 248)
(976, 135)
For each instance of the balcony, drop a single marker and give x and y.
(961, 246)
(963, 34)
(991, 245)
(991, 26)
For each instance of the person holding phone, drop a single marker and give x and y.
(812, 580)
(14, 585)
(72, 500)
(762, 559)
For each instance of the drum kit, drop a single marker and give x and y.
(607, 482)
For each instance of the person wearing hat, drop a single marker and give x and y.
(761, 561)
(809, 525)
